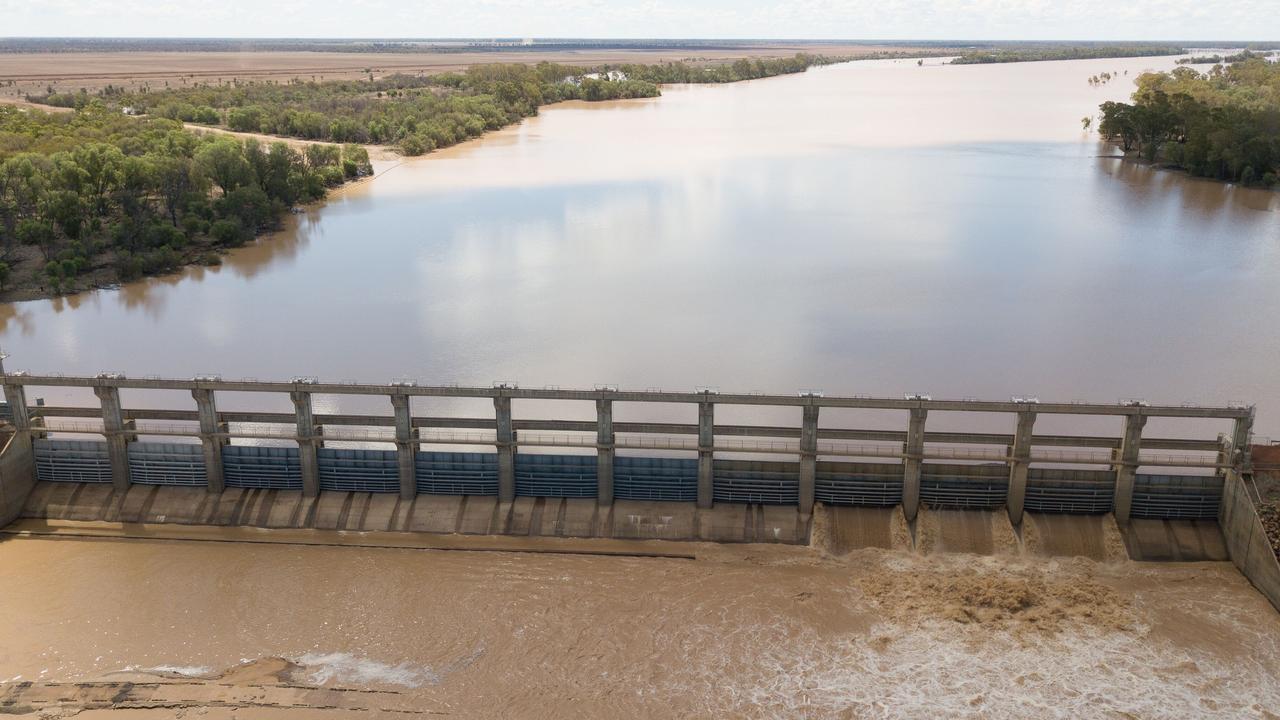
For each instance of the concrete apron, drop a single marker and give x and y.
(836, 530)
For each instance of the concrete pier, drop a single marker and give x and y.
(17, 461)
(1127, 466)
(308, 442)
(406, 446)
(706, 453)
(913, 456)
(808, 457)
(1242, 440)
(15, 396)
(506, 447)
(604, 452)
(1019, 465)
(211, 443)
(113, 426)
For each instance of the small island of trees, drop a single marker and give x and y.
(1222, 124)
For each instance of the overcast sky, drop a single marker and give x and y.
(851, 19)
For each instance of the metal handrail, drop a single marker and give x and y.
(264, 431)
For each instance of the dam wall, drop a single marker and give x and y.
(930, 491)
(1246, 540)
(17, 476)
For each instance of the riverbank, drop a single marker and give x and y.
(96, 197)
(33, 71)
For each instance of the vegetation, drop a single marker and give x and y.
(416, 113)
(743, 69)
(1103, 78)
(1216, 59)
(1057, 51)
(1222, 124)
(95, 197)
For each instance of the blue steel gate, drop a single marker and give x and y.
(167, 464)
(556, 475)
(871, 484)
(270, 468)
(72, 461)
(1049, 490)
(655, 478)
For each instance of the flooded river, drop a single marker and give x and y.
(870, 228)
(746, 631)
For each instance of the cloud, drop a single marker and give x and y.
(924, 19)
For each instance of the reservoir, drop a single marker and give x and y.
(866, 228)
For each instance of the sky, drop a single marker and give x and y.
(816, 19)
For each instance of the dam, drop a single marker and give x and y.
(867, 563)
(1157, 498)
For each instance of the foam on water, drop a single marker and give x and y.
(183, 670)
(905, 672)
(348, 669)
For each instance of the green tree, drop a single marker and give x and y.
(39, 234)
(102, 165)
(223, 162)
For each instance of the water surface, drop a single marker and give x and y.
(872, 228)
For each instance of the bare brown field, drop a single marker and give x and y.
(34, 72)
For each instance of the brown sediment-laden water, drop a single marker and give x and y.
(150, 626)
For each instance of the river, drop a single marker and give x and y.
(867, 228)
(749, 631)
(875, 228)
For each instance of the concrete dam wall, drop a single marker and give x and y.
(1146, 498)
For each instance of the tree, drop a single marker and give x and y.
(102, 165)
(39, 234)
(249, 205)
(223, 162)
(173, 178)
(65, 210)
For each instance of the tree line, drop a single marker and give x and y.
(1222, 124)
(95, 196)
(1062, 52)
(1216, 59)
(416, 113)
(741, 69)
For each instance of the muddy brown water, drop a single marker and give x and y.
(747, 631)
(872, 228)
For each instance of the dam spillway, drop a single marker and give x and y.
(1147, 498)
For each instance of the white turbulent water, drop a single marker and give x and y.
(349, 669)
(935, 671)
